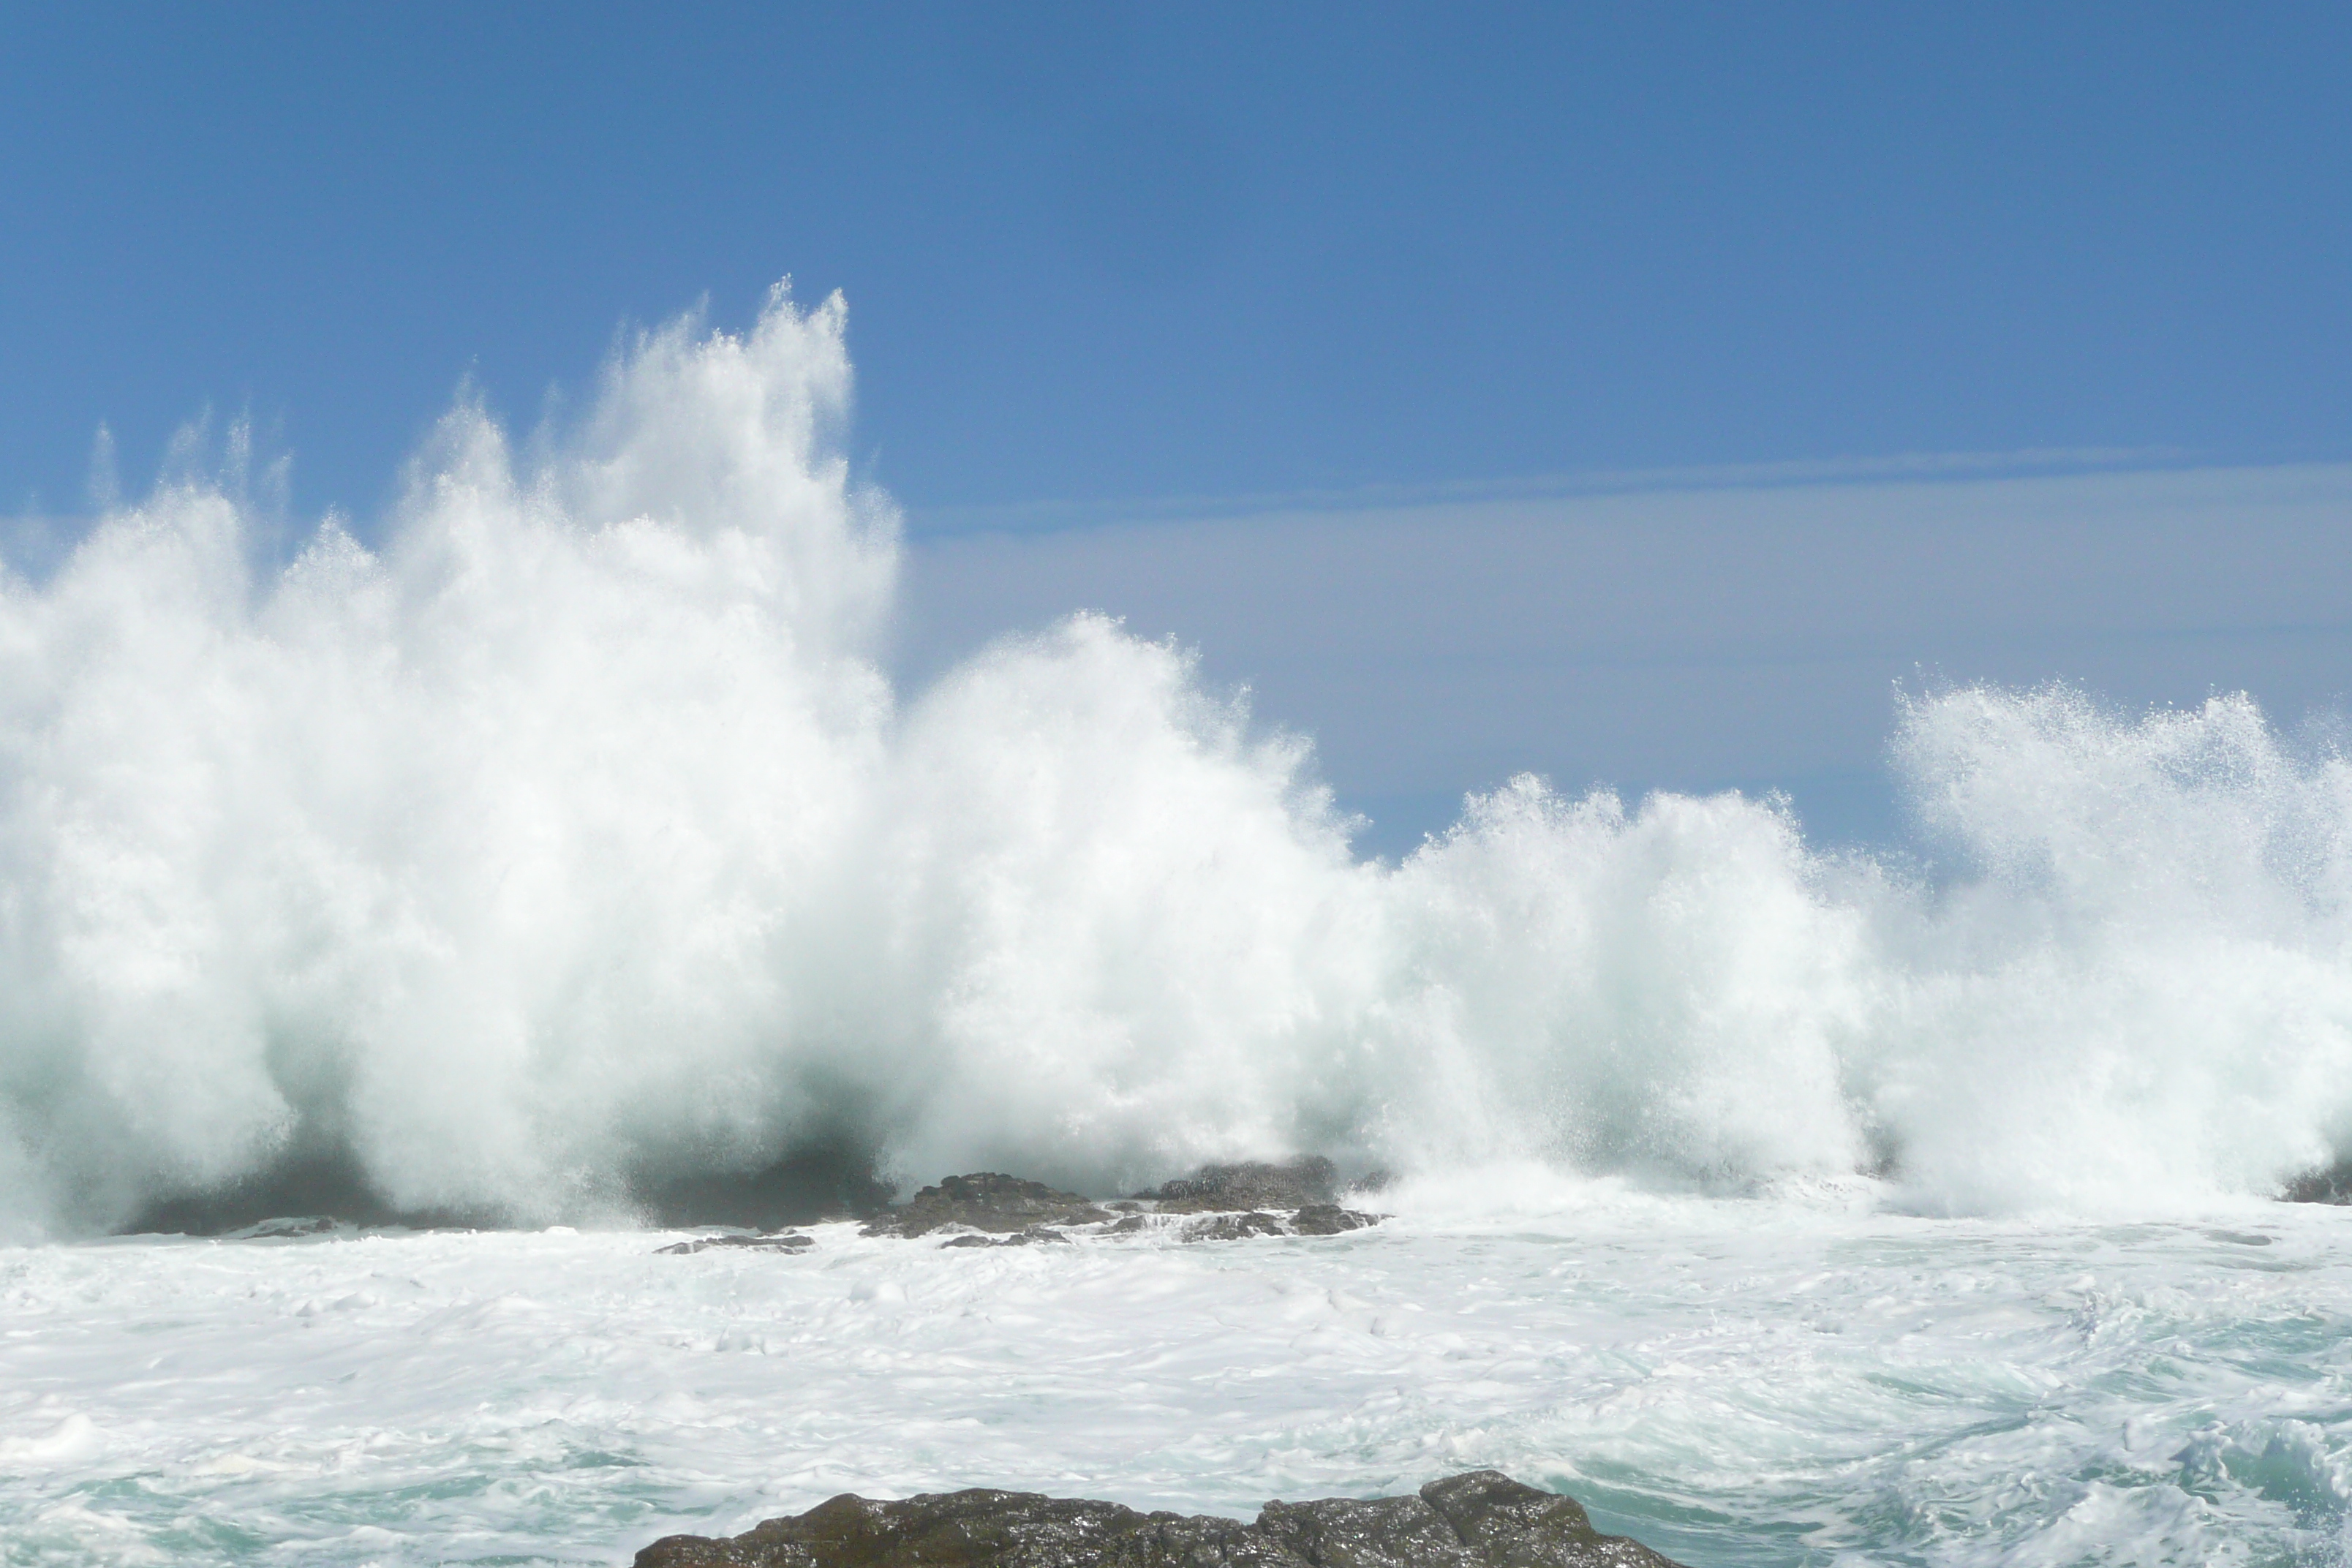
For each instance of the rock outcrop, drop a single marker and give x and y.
(1299, 1197)
(986, 1201)
(1482, 1520)
(1310, 1181)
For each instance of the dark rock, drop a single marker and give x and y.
(1383, 1533)
(1329, 1219)
(756, 1243)
(2330, 1185)
(1509, 1525)
(1317, 1219)
(1483, 1519)
(987, 1201)
(1251, 1185)
(1234, 1227)
(1018, 1238)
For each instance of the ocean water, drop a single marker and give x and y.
(570, 843)
(1745, 1382)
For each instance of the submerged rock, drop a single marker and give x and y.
(787, 1243)
(985, 1201)
(1482, 1520)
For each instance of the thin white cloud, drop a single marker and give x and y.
(1051, 514)
(1698, 631)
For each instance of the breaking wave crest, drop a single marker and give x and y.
(573, 841)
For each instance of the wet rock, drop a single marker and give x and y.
(1236, 1227)
(1018, 1238)
(1504, 1521)
(1482, 1520)
(1308, 1180)
(985, 1201)
(1316, 1219)
(1384, 1532)
(788, 1243)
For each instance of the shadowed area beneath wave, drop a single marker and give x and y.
(321, 1178)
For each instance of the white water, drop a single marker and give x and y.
(575, 837)
(1733, 1382)
(576, 834)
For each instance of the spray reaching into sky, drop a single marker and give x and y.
(575, 837)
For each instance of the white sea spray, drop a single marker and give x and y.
(575, 833)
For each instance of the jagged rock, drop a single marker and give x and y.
(1509, 1525)
(1482, 1520)
(1308, 1180)
(757, 1243)
(1329, 1219)
(985, 1200)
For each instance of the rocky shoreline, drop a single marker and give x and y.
(322, 1185)
(1479, 1519)
(989, 1208)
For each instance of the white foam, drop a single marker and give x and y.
(1733, 1380)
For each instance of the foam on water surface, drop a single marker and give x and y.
(1746, 1382)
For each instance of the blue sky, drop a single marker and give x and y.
(1197, 264)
